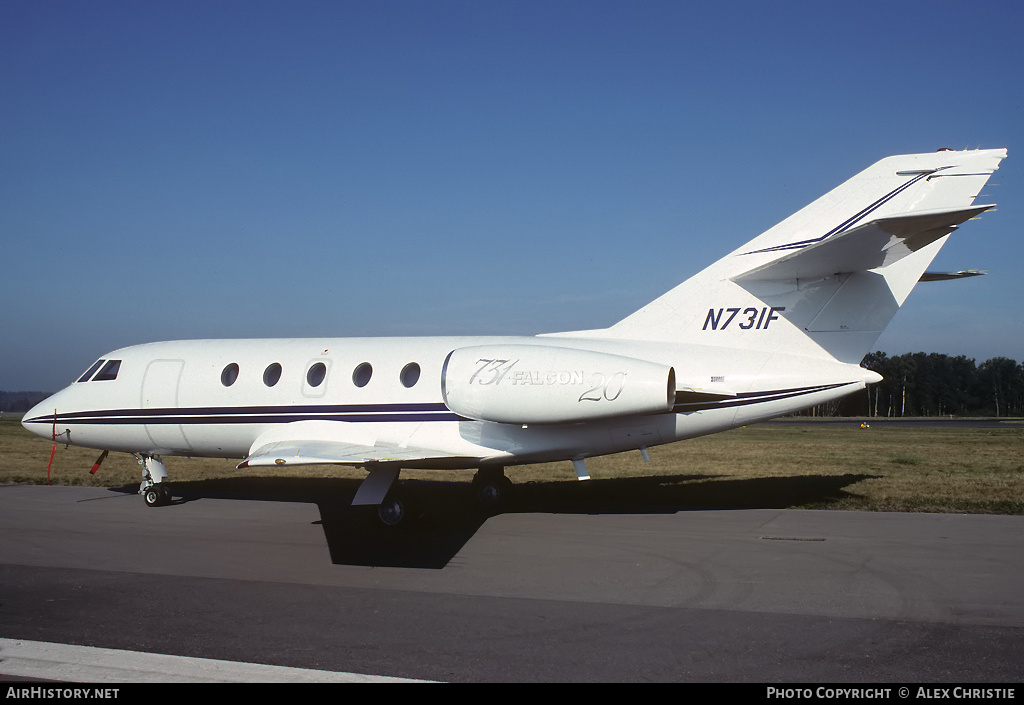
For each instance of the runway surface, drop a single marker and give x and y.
(574, 594)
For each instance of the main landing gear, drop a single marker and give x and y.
(154, 489)
(390, 505)
(394, 510)
(491, 490)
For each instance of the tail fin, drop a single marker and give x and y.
(828, 279)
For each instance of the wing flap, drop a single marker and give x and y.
(876, 244)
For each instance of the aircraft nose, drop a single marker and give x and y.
(39, 419)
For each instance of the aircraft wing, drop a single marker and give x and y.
(313, 452)
(331, 443)
(878, 243)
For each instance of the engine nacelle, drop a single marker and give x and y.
(537, 384)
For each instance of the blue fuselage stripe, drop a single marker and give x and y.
(256, 414)
(352, 413)
(749, 398)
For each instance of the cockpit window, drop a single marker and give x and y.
(91, 371)
(108, 371)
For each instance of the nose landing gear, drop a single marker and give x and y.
(153, 489)
(156, 495)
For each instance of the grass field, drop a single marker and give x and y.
(830, 466)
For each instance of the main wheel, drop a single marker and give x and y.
(392, 511)
(492, 492)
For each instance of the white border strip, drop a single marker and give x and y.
(89, 664)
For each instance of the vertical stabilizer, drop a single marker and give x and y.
(828, 279)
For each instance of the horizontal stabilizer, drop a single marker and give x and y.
(944, 276)
(878, 243)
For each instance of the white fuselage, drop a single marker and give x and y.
(174, 398)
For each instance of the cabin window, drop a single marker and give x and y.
(91, 371)
(410, 374)
(108, 371)
(230, 374)
(316, 374)
(361, 374)
(272, 375)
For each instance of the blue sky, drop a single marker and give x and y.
(233, 169)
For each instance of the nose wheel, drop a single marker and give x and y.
(156, 495)
(153, 489)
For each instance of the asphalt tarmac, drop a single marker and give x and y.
(568, 590)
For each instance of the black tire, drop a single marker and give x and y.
(492, 494)
(393, 511)
(157, 496)
(153, 496)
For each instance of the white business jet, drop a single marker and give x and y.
(780, 324)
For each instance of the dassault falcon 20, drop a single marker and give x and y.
(778, 325)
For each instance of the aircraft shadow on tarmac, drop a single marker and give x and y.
(443, 517)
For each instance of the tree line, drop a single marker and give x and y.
(932, 384)
(20, 401)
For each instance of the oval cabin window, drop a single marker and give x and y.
(230, 374)
(316, 374)
(272, 374)
(361, 374)
(410, 374)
